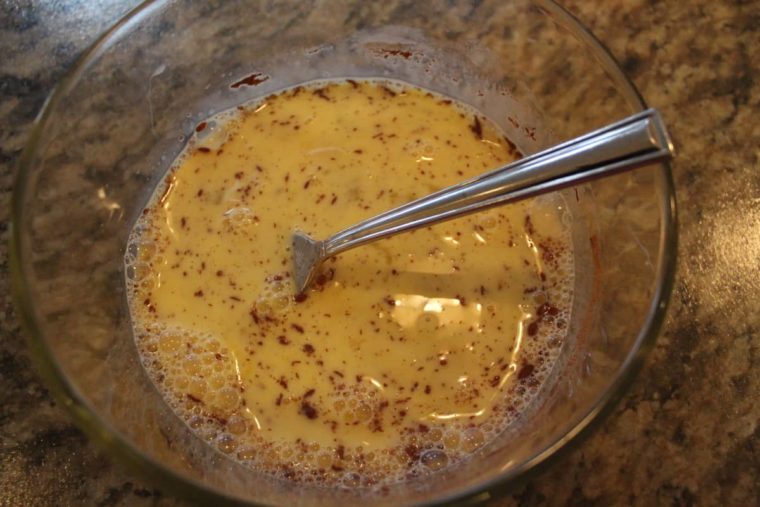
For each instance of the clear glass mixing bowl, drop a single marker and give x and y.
(117, 120)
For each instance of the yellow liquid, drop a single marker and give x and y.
(408, 354)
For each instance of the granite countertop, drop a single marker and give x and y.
(687, 433)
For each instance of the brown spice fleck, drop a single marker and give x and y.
(198, 294)
(201, 126)
(320, 92)
(412, 451)
(388, 91)
(526, 371)
(254, 79)
(283, 340)
(529, 225)
(300, 298)
(324, 277)
(221, 420)
(547, 309)
(297, 327)
(194, 398)
(477, 127)
(203, 149)
(308, 410)
(308, 349)
(547, 252)
(396, 52)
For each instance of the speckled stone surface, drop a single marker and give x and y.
(687, 431)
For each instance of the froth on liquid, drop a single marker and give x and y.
(407, 355)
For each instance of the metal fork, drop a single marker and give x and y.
(633, 142)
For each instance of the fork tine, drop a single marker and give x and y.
(308, 255)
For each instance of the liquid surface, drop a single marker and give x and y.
(406, 355)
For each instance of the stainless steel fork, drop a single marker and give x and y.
(636, 141)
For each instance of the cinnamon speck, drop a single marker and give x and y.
(308, 410)
(194, 398)
(525, 371)
(403, 53)
(251, 80)
(477, 127)
(321, 93)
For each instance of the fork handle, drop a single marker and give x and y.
(635, 141)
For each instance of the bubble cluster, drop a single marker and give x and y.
(197, 372)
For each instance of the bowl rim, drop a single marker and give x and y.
(111, 441)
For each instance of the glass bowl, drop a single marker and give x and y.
(110, 129)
